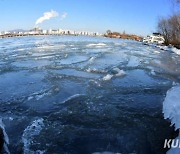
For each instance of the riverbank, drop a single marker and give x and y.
(110, 35)
(165, 48)
(123, 36)
(40, 34)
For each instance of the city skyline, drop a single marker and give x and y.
(136, 17)
(39, 31)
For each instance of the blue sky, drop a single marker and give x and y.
(133, 16)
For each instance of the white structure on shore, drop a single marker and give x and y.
(154, 38)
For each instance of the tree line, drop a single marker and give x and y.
(169, 27)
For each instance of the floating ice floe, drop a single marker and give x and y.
(107, 77)
(52, 46)
(156, 52)
(96, 82)
(96, 45)
(77, 73)
(74, 59)
(39, 95)
(21, 49)
(92, 59)
(45, 47)
(153, 72)
(29, 133)
(89, 70)
(116, 43)
(171, 110)
(94, 70)
(133, 62)
(119, 72)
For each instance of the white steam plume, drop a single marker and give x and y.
(47, 16)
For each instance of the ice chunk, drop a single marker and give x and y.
(96, 45)
(107, 77)
(119, 72)
(74, 59)
(153, 72)
(88, 70)
(175, 50)
(29, 133)
(171, 106)
(39, 95)
(116, 43)
(171, 110)
(58, 46)
(78, 73)
(21, 49)
(92, 59)
(156, 52)
(133, 62)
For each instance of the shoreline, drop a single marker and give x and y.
(165, 47)
(26, 35)
(123, 36)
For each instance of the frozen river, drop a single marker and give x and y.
(80, 95)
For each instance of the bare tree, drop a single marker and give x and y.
(163, 28)
(174, 26)
(108, 32)
(170, 29)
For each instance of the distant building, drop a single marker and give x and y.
(44, 31)
(60, 31)
(154, 38)
(36, 31)
(39, 31)
(54, 31)
(5, 33)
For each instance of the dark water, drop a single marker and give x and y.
(66, 95)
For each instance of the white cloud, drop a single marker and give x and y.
(64, 15)
(49, 15)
